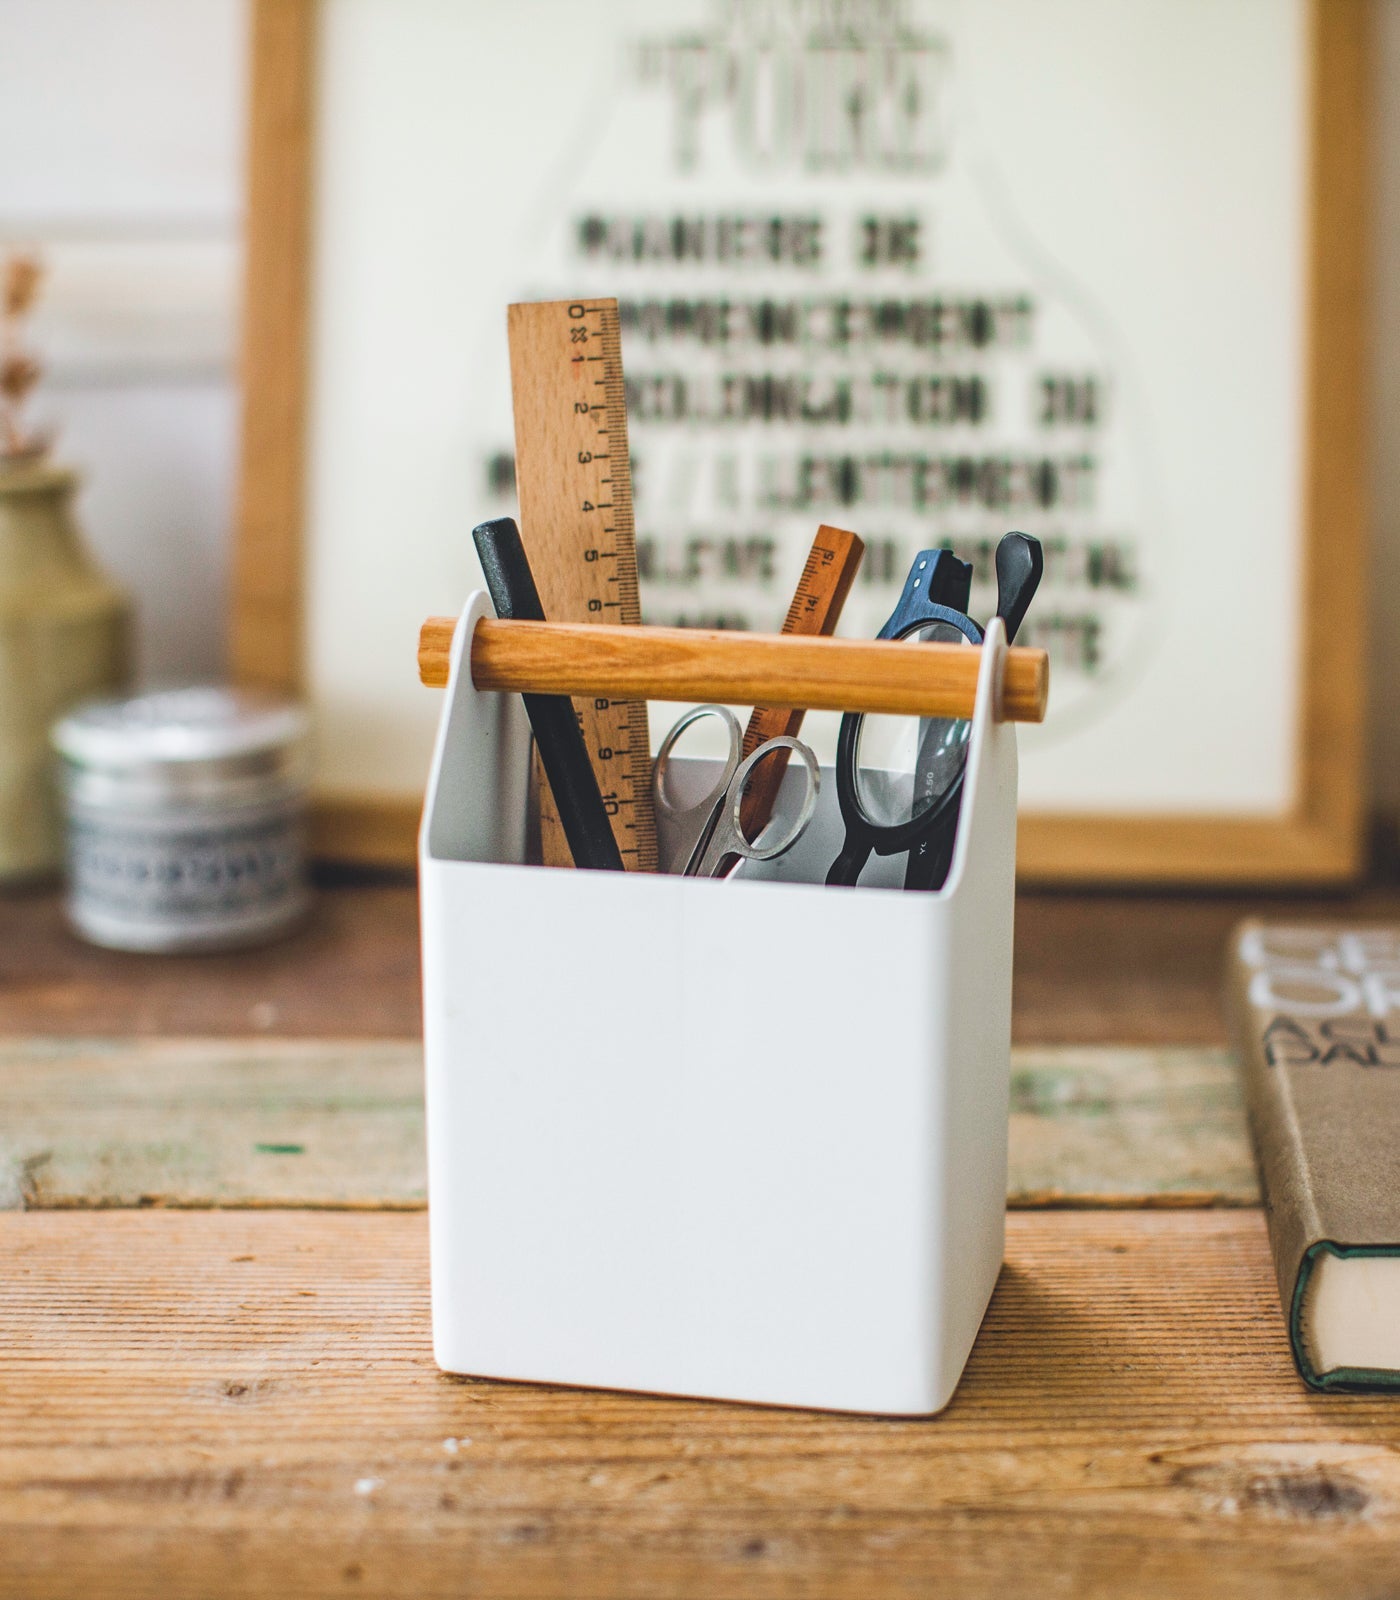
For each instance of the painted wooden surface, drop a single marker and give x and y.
(240, 1403)
(1117, 1126)
(201, 1123)
(296, 1123)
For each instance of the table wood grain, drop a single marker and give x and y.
(1090, 969)
(245, 1403)
(206, 1392)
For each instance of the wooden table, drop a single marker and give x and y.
(215, 1374)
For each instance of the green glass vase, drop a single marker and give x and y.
(65, 634)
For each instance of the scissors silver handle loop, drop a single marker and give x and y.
(693, 824)
(663, 756)
(728, 838)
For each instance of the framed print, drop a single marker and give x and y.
(927, 269)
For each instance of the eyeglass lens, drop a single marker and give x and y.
(905, 765)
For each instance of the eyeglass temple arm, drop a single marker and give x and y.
(849, 865)
(1020, 564)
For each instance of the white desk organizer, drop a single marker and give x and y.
(736, 1139)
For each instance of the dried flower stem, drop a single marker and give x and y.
(20, 276)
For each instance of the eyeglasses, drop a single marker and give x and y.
(899, 779)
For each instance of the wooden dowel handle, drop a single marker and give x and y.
(923, 680)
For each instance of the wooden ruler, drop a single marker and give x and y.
(575, 486)
(826, 580)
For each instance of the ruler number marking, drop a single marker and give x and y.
(618, 728)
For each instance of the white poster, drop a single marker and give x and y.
(925, 270)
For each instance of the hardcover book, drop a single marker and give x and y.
(1315, 1015)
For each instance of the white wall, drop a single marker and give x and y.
(121, 149)
(121, 153)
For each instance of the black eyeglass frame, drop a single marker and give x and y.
(865, 837)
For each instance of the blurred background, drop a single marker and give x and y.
(121, 160)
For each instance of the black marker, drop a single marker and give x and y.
(563, 753)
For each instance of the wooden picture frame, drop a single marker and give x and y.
(1320, 840)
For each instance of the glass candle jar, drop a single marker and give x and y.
(185, 818)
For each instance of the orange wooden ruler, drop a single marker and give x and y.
(574, 480)
(826, 580)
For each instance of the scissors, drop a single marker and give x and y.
(711, 837)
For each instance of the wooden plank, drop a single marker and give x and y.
(1147, 969)
(290, 1123)
(207, 1123)
(351, 969)
(1123, 1127)
(1093, 968)
(1113, 849)
(1335, 578)
(1090, 968)
(244, 1404)
(369, 830)
(267, 599)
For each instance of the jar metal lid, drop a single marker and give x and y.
(176, 727)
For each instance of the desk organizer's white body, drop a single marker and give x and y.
(727, 1138)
